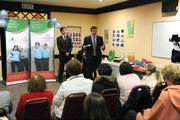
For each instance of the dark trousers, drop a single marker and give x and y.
(62, 61)
(15, 64)
(90, 67)
(24, 65)
(45, 64)
(175, 58)
(38, 63)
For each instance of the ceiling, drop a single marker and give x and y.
(73, 3)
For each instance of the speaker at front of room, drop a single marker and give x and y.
(169, 6)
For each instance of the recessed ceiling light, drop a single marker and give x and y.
(101, 0)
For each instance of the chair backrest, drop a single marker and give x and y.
(111, 98)
(139, 99)
(37, 109)
(157, 91)
(74, 107)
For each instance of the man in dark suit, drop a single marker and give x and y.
(92, 45)
(64, 43)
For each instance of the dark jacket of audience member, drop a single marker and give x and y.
(167, 107)
(95, 108)
(37, 89)
(103, 83)
(105, 80)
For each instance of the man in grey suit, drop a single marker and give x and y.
(93, 45)
(64, 44)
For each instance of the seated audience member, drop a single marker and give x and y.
(153, 76)
(105, 79)
(6, 103)
(126, 81)
(37, 89)
(167, 107)
(95, 108)
(74, 84)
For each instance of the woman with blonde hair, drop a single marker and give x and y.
(167, 107)
(153, 76)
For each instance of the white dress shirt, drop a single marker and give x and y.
(73, 84)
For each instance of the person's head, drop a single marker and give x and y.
(150, 68)
(37, 83)
(63, 30)
(15, 48)
(171, 74)
(74, 67)
(125, 68)
(45, 46)
(95, 107)
(37, 44)
(20, 49)
(93, 30)
(104, 69)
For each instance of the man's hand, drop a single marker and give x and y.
(103, 47)
(67, 54)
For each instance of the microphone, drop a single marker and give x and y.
(85, 46)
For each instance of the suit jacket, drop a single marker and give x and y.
(89, 50)
(64, 45)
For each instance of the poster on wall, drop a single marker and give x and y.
(42, 47)
(17, 51)
(75, 33)
(106, 36)
(118, 38)
(130, 28)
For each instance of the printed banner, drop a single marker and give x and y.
(42, 47)
(17, 50)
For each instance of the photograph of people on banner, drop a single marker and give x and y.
(42, 47)
(17, 50)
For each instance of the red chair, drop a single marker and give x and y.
(37, 109)
(74, 107)
(157, 91)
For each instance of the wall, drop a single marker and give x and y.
(143, 17)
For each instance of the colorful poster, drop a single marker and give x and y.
(17, 51)
(130, 28)
(75, 33)
(42, 47)
(118, 38)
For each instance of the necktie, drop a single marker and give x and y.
(65, 42)
(94, 46)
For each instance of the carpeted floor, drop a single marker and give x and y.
(18, 89)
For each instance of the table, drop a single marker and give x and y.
(115, 68)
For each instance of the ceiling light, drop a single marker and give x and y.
(101, 0)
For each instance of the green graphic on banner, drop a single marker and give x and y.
(17, 25)
(40, 25)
